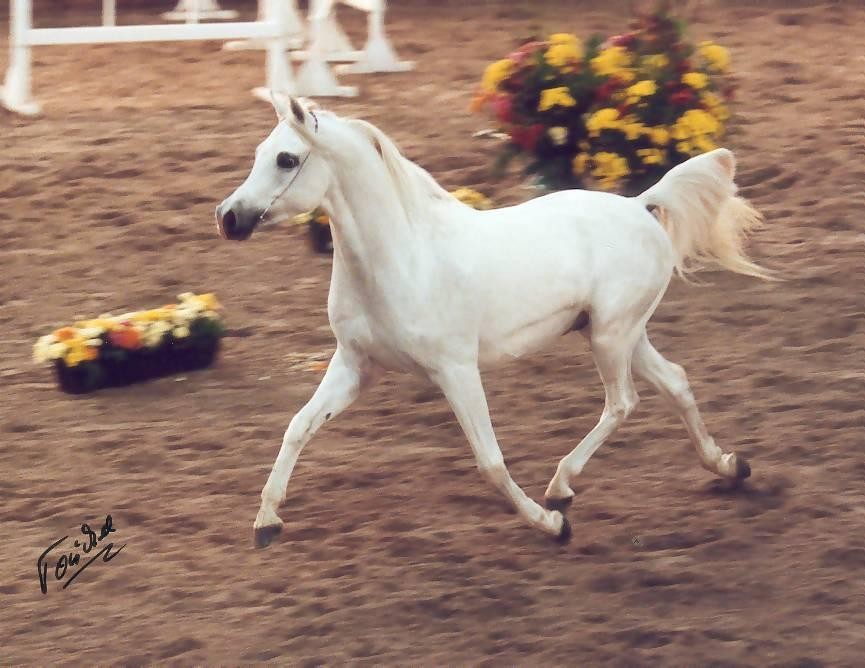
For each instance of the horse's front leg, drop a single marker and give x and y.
(346, 376)
(464, 391)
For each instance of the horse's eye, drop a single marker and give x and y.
(286, 160)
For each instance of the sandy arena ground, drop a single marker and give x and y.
(395, 551)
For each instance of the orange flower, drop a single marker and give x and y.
(65, 333)
(127, 338)
(477, 103)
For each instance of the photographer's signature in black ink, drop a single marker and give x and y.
(69, 560)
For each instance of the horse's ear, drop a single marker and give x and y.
(303, 121)
(279, 105)
(290, 110)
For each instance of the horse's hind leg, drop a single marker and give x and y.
(612, 353)
(670, 380)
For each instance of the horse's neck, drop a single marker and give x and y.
(372, 237)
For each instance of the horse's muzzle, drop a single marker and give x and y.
(236, 224)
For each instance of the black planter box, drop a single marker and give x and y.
(320, 237)
(137, 366)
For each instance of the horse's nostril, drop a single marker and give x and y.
(229, 222)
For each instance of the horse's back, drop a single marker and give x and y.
(542, 263)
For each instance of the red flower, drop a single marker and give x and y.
(525, 51)
(622, 40)
(605, 92)
(503, 108)
(527, 137)
(682, 97)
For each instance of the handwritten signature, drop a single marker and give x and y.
(67, 561)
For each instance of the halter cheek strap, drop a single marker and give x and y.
(293, 178)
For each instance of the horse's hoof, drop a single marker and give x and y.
(564, 536)
(558, 504)
(743, 468)
(264, 535)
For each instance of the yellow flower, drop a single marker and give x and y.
(609, 169)
(717, 56)
(716, 106)
(704, 144)
(564, 38)
(694, 123)
(558, 135)
(556, 97)
(656, 61)
(302, 218)
(580, 163)
(652, 156)
(633, 129)
(564, 55)
(696, 80)
(495, 73)
(79, 352)
(181, 332)
(104, 324)
(659, 136)
(209, 301)
(613, 61)
(603, 119)
(472, 198)
(152, 315)
(644, 88)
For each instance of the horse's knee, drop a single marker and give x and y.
(493, 470)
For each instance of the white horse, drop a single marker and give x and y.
(426, 284)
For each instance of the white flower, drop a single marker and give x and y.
(90, 332)
(559, 135)
(94, 343)
(181, 332)
(56, 351)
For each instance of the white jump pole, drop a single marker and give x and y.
(378, 54)
(191, 11)
(294, 28)
(109, 12)
(279, 76)
(315, 78)
(16, 94)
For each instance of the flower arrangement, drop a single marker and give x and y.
(318, 222)
(618, 112)
(118, 350)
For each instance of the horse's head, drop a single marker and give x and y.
(290, 174)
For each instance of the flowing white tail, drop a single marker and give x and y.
(696, 202)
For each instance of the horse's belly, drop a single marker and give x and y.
(498, 347)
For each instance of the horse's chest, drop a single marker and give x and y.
(390, 340)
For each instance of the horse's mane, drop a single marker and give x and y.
(415, 186)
